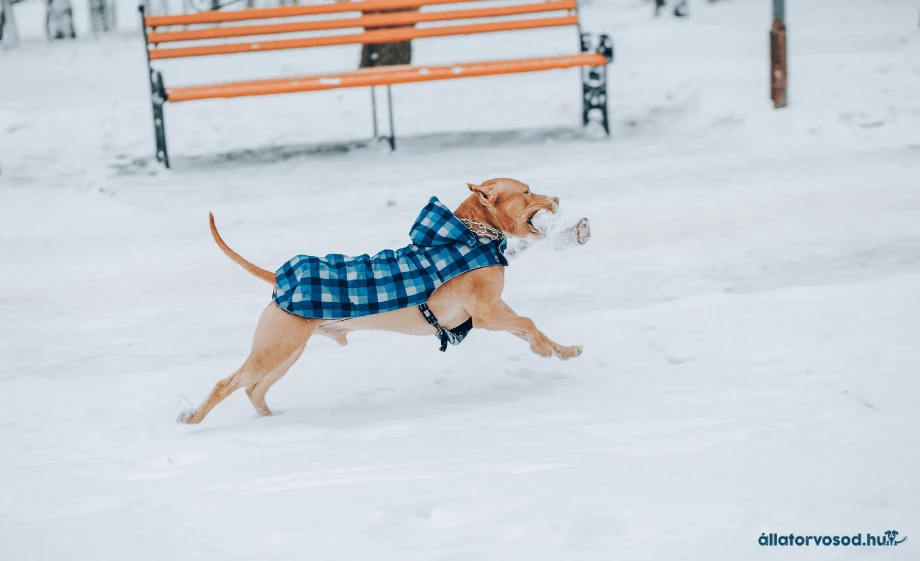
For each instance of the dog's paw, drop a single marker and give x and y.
(185, 417)
(565, 353)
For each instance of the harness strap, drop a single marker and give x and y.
(453, 336)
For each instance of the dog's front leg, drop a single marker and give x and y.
(498, 316)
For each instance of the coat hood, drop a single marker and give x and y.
(436, 225)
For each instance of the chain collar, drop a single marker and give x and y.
(482, 230)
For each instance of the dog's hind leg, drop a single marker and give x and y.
(257, 391)
(278, 336)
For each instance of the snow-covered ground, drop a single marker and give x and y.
(748, 302)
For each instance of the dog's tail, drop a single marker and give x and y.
(267, 276)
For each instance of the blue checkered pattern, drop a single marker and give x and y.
(338, 286)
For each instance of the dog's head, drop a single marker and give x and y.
(509, 205)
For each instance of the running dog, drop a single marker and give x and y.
(447, 281)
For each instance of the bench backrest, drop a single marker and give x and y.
(335, 19)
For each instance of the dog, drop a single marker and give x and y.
(497, 205)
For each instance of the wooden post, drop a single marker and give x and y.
(778, 75)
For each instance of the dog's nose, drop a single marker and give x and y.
(555, 200)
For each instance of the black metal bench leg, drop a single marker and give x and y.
(594, 82)
(160, 132)
(594, 95)
(157, 99)
(390, 110)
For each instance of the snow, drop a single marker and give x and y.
(747, 301)
(557, 235)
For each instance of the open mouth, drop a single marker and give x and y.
(530, 223)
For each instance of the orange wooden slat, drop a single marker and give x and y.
(395, 69)
(364, 21)
(290, 11)
(379, 77)
(382, 36)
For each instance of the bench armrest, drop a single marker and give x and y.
(602, 46)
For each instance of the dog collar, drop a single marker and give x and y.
(484, 231)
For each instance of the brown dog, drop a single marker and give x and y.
(280, 337)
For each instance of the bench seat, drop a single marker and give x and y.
(380, 76)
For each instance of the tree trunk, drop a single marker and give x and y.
(386, 54)
(100, 16)
(59, 20)
(9, 35)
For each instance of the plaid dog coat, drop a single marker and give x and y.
(337, 286)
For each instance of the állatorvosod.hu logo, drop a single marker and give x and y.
(887, 538)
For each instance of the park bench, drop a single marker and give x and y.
(344, 23)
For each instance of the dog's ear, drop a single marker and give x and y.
(487, 194)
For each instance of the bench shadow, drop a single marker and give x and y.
(490, 139)
(238, 158)
(412, 144)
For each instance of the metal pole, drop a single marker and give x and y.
(778, 74)
(390, 107)
(779, 10)
(374, 110)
